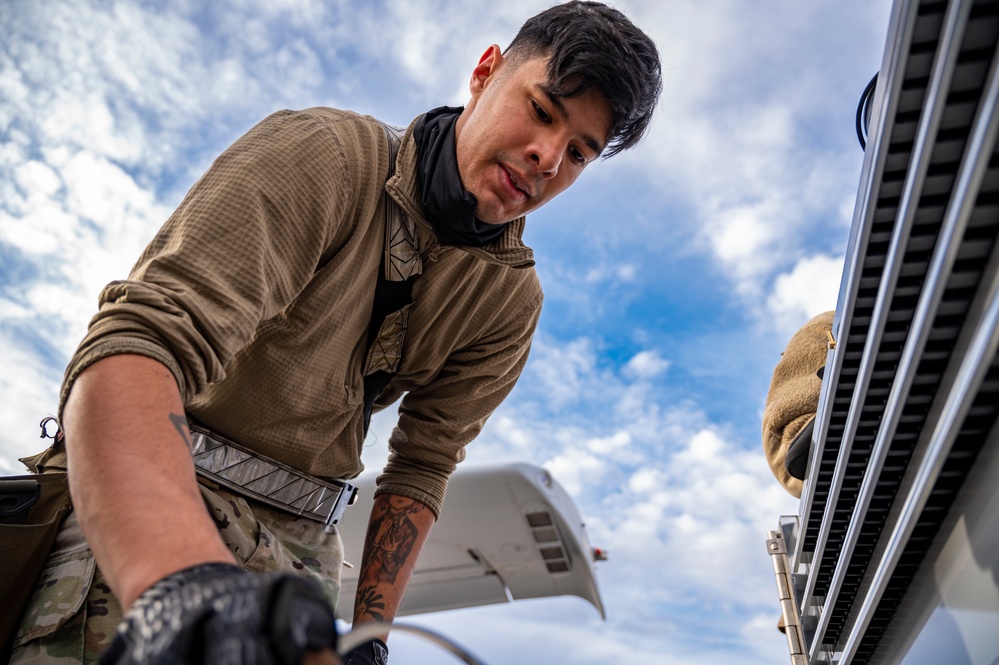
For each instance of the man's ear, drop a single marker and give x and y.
(489, 65)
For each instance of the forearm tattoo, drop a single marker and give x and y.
(180, 422)
(392, 537)
(370, 602)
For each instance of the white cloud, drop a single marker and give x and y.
(609, 445)
(11, 310)
(564, 371)
(604, 273)
(87, 122)
(810, 288)
(428, 49)
(100, 191)
(627, 273)
(39, 231)
(76, 205)
(38, 179)
(743, 237)
(667, 492)
(576, 470)
(645, 481)
(705, 508)
(732, 135)
(28, 385)
(646, 365)
(299, 13)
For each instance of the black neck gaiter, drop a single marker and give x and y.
(450, 208)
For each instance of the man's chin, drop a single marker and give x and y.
(494, 218)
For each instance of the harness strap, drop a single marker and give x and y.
(390, 295)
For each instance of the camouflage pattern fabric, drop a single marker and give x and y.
(72, 615)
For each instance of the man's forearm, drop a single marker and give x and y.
(132, 477)
(398, 528)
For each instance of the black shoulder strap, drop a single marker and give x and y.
(390, 296)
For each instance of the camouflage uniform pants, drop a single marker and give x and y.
(72, 616)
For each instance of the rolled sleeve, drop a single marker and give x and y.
(242, 244)
(438, 420)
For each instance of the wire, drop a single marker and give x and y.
(863, 111)
(365, 632)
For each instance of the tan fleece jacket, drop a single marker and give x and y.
(257, 294)
(794, 395)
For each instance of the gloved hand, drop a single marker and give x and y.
(793, 400)
(218, 614)
(374, 652)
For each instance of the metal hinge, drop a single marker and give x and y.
(788, 604)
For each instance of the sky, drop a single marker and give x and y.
(674, 274)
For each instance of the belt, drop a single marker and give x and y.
(249, 473)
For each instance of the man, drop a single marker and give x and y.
(249, 314)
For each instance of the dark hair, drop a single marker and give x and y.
(590, 45)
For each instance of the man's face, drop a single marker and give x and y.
(517, 146)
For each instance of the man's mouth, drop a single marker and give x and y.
(515, 182)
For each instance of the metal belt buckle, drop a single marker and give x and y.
(269, 481)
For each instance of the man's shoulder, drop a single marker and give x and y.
(330, 114)
(321, 118)
(358, 134)
(342, 118)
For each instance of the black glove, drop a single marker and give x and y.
(796, 461)
(370, 653)
(218, 614)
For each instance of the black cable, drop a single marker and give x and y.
(862, 110)
(366, 631)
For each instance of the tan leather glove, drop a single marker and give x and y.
(794, 396)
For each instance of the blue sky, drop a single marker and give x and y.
(674, 274)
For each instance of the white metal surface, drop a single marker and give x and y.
(484, 548)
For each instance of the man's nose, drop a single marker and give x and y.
(547, 157)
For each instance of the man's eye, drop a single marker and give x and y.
(541, 113)
(577, 156)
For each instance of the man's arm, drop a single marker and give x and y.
(397, 530)
(399, 526)
(132, 476)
